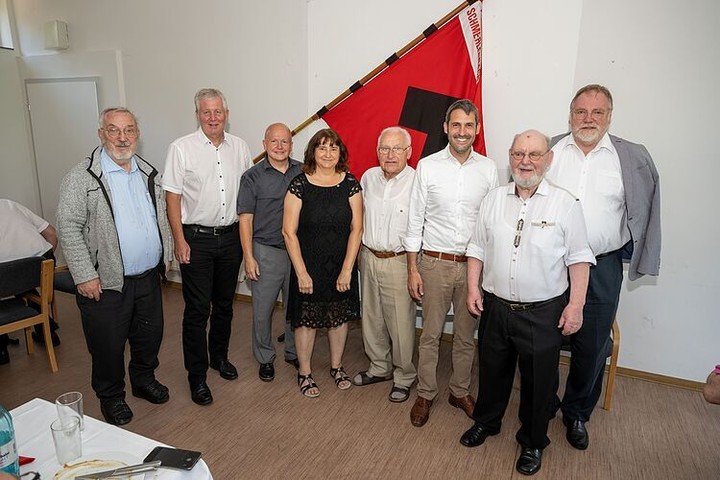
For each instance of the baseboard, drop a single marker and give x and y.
(240, 297)
(624, 372)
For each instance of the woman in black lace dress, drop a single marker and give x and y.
(322, 226)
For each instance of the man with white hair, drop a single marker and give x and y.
(388, 311)
(529, 240)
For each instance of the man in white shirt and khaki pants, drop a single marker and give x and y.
(449, 186)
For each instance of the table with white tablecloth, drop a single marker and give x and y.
(32, 431)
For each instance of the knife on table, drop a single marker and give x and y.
(131, 470)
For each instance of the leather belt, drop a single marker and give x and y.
(380, 254)
(518, 306)
(446, 256)
(606, 254)
(141, 275)
(213, 230)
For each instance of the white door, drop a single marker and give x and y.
(64, 122)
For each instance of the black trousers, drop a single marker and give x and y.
(590, 345)
(208, 285)
(134, 315)
(530, 338)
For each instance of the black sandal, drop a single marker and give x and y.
(340, 376)
(306, 382)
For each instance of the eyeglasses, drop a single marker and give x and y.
(114, 132)
(596, 114)
(395, 150)
(534, 156)
(518, 232)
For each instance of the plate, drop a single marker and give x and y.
(98, 462)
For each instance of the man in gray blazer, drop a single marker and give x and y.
(619, 188)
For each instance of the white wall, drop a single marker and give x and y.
(656, 57)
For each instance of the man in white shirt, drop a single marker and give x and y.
(446, 194)
(201, 181)
(24, 234)
(618, 186)
(529, 239)
(388, 311)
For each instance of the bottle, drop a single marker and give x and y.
(8, 450)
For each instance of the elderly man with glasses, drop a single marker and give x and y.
(116, 239)
(388, 319)
(531, 254)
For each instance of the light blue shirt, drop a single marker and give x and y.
(135, 217)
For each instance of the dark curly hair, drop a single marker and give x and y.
(326, 136)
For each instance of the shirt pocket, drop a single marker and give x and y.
(609, 183)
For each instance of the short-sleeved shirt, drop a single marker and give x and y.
(527, 245)
(262, 193)
(207, 177)
(20, 232)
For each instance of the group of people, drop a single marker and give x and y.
(534, 260)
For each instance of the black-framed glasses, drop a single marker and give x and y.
(114, 132)
(534, 156)
(395, 150)
(518, 232)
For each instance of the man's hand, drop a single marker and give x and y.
(571, 319)
(415, 285)
(182, 251)
(90, 289)
(252, 269)
(474, 301)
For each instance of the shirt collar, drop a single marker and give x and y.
(604, 143)
(473, 157)
(543, 189)
(206, 141)
(109, 165)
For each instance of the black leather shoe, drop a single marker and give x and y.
(294, 362)
(266, 372)
(155, 392)
(227, 370)
(39, 338)
(475, 437)
(200, 393)
(529, 461)
(116, 412)
(577, 434)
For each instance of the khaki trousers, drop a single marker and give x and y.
(388, 317)
(444, 283)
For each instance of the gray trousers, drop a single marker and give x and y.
(274, 276)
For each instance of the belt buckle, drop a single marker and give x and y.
(217, 231)
(519, 307)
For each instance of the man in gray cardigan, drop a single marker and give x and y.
(116, 239)
(619, 188)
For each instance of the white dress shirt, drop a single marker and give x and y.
(20, 232)
(207, 177)
(445, 199)
(549, 231)
(387, 204)
(596, 179)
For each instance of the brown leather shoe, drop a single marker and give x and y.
(466, 404)
(420, 411)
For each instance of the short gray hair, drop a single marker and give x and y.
(400, 130)
(206, 93)
(101, 118)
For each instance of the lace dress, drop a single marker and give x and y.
(323, 231)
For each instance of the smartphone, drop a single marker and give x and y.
(174, 457)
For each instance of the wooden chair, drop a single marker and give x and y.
(16, 279)
(62, 282)
(612, 354)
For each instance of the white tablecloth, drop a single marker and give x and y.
(32, 431)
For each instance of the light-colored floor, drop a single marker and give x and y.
(257, 430)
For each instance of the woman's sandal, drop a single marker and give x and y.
(306, 382)
(342, 380)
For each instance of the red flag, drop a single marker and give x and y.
(414, 92)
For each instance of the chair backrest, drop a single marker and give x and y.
(19, 276)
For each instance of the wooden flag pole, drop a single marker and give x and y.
(374, 72)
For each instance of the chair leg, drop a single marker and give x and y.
(29, 347)
(49, 346)
(609, 387)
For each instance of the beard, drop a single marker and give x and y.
(117, 155)
(528, 182)
(589, 136)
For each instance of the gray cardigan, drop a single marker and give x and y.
(641, 183)
(86, 225)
